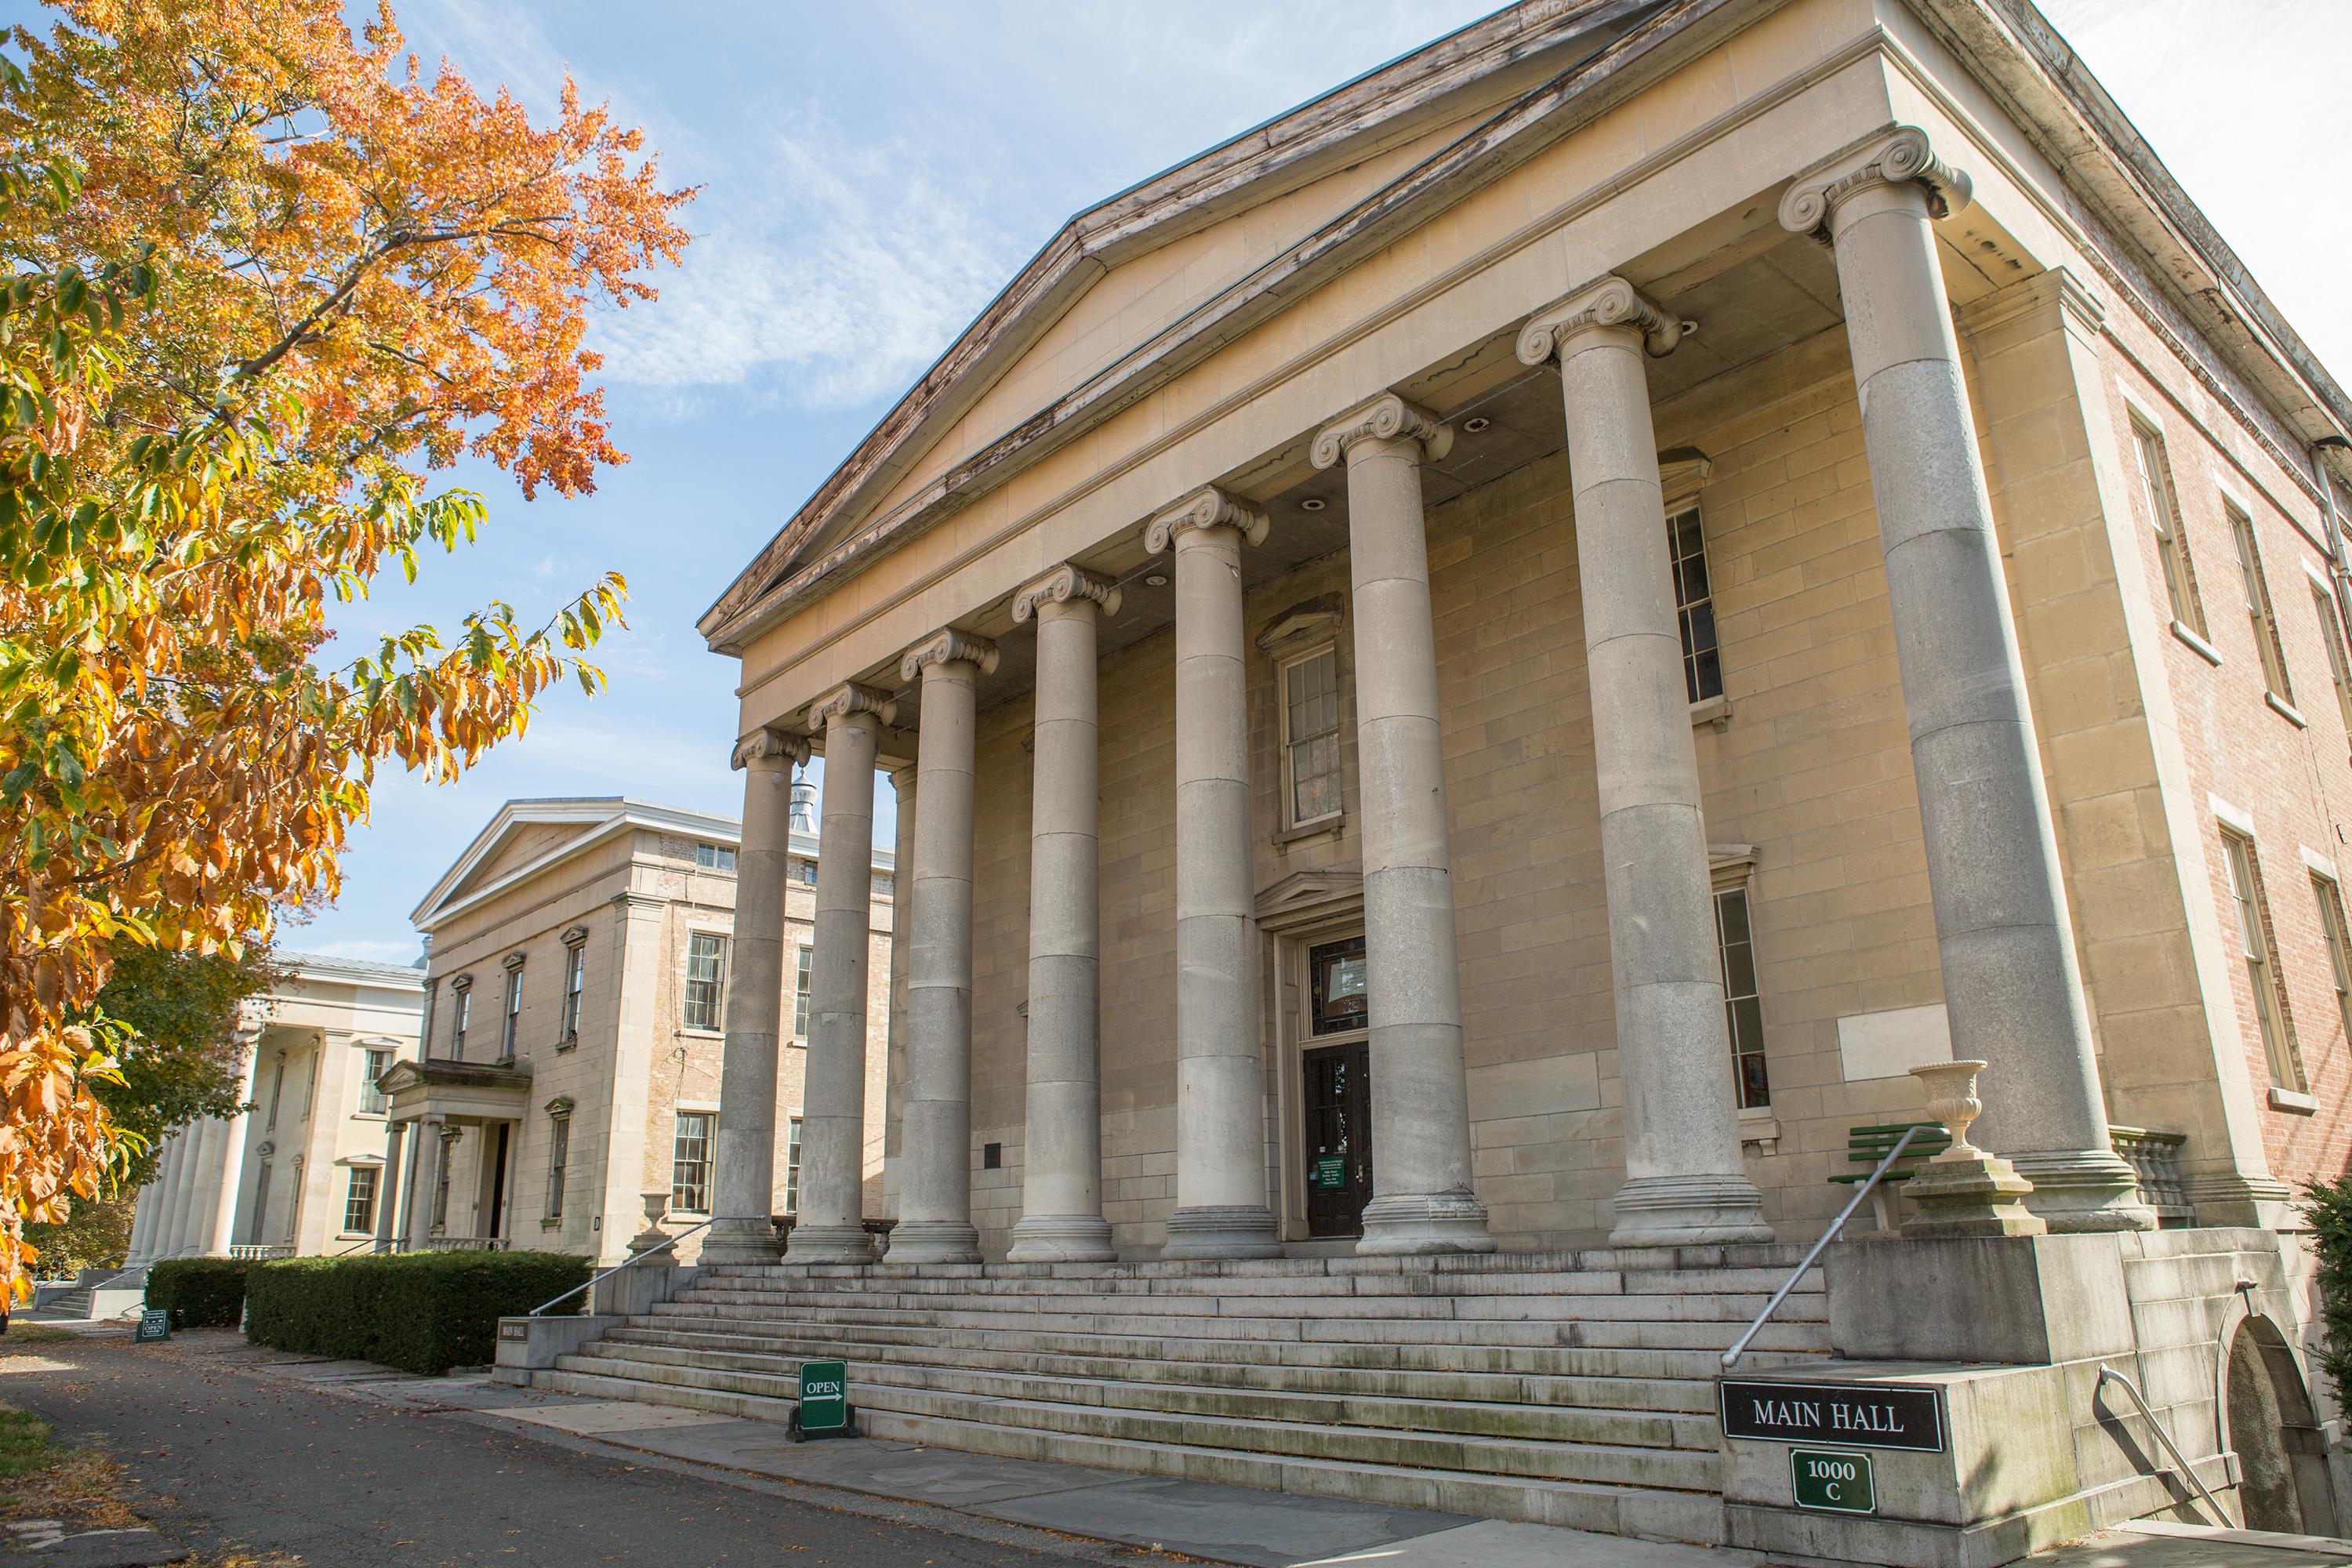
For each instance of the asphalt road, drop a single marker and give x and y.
(222, 1461)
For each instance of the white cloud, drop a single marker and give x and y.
(373, 951)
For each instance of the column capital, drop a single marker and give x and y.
(766, 745)
(948, 646)
(1062, 585)
(1608, 301)
(1387, 417)
(1902, 157)
(850, 698)
(1205, 507)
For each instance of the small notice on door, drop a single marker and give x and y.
(1330, 1173)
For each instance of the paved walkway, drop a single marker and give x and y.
(237, 1444)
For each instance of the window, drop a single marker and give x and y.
(2331, 636)
(689, 1164)
(806, 871)
(1310, 736)
(432, 1004)
(514, 1013)
(373, 1065)
(2258, 605)
(2254, 941)
(2339, 945)
(705, 979)
(792, 1167)
(276, 1088)
(714, 857)
(1694, 605)
(309, 1082)
(1336, 974)
(458, 1020)
(2164, 519)
(559, 1149)
(801, 997)
(1743, 1008)
(359, 1201)
(575, 973)
(256, 1225)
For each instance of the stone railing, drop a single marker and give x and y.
(467, 1244)
(256, 1252)
(2156, 1156)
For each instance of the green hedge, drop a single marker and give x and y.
(2329, 1206)
(423, 1312)
(199, 1292)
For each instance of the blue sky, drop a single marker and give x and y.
(872, 173)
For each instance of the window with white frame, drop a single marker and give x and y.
(689, 1162)
(277, 1089)
(1310, 736)
(559, 1150)
(514, 1015)
(461, 1016)
(2256, 949)
(801, 996)
(2258, 604)
(374, 1064)
(575, 977)
(805, 870)
(1743, 1003)
(2156, 499)
(2339, 945)
(714, 857)
(1694, 605)
(793, 1166)
(359, 1201)
(2331, 636)
(705, 980)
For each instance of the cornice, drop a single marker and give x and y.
(1608, 301)
(1901, 157)
(1062, 585)
(948, 646)
(1205, 507)
(1387, 417)
(769, 743)
(848, 699)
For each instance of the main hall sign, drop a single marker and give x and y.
(1865, 1416)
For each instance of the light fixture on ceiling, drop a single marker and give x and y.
(1472, 426)
(1313, 503)
(1156, 579)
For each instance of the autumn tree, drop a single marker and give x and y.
(264, 277)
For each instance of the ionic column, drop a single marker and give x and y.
(935, 1195)
(1685, 1184)
(894, 1070)
(2004, 932)
(1220, 1192)
(744, 1153)
(155, 1202)
(190, 1218)
(1061, 1181)
(387, 1182)
(423, 1175)
(232, 1166)
(830, 1224)
(1422, 1196)
(175, 1191)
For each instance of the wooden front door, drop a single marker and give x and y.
(1339, 1142)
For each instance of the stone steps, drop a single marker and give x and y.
(1674, 1515)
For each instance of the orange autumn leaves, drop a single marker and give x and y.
(264, 278)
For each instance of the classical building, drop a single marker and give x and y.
(281, 1178)
(581, 957)
(1485, 668)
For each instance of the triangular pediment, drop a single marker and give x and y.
(527, 835)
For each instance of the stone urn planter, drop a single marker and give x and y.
(1964, 1191)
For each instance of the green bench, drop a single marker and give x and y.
(1866, 1146)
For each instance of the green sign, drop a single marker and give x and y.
(1833, 1482)
(1330, 1173)
(153, 1326)
(825, 1399)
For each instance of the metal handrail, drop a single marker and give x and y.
(1739, 1346)
(664, 1245)
(2109, 1375)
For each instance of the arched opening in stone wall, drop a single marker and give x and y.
(2282, 1483)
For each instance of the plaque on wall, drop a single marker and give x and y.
(1862, 1415)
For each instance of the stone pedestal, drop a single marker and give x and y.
(1964, 1191)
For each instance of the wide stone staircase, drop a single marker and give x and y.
(1564, 1388)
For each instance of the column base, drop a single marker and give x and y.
(1226, 1230)
(2254, 1202)
(1417, 1224)
(932, 1241)
(740, 1243)
(829, 1244)
(1689, 1211)
(1972, 1195)
(1061, 1238)
(2078, 1190)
